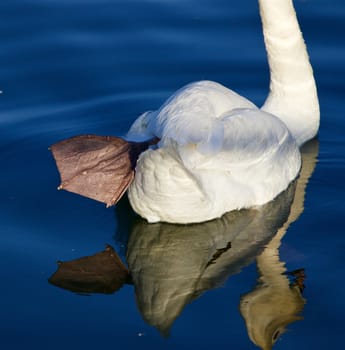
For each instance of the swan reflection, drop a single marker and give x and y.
(171, 265)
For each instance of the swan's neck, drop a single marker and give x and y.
(293, 95)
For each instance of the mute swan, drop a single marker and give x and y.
(216, 150)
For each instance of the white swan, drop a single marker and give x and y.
(218, 151)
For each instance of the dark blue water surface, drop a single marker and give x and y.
(92, 66)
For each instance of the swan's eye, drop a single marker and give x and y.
(276, 336)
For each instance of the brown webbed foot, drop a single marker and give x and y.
(98, 167)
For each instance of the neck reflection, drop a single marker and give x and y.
(277, 301)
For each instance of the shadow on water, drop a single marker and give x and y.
(172, 265)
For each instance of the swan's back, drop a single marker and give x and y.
(190, 115)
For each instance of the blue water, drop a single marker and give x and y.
(92, 66)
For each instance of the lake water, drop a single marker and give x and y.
(92, 66)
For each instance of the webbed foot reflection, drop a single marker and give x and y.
(103, 272)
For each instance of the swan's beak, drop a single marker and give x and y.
(98, 167)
